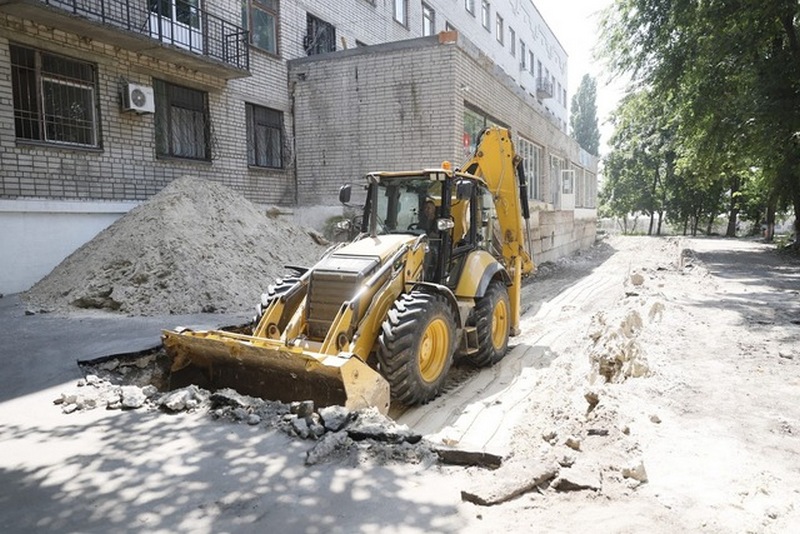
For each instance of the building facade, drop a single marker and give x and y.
(104, 102)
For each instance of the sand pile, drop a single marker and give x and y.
(196, 246)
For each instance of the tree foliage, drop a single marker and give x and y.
(730, 71)
(583, 116)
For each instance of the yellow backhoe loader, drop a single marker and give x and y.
(434, 272)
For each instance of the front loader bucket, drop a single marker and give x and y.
(271, 370)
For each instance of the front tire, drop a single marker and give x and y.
(492, 320)
(416, 345)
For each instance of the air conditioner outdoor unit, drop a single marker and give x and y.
(138, 98)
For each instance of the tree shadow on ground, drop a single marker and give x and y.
(772, 282)
(187, 473)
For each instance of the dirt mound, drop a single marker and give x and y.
(196, 246)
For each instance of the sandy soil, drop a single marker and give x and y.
(197, 246)
(656, 387)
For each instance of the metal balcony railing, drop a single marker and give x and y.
(176, 22)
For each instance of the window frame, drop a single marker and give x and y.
(499, 29)
(469, 5)
(428, 20)
(486, 15)
(172, 103)
(272, 119)
(400, 8)
(314, 46)
(512, 38)
(264, 7)
(44, 124)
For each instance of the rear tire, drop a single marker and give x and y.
(416, 345)
(492, 319)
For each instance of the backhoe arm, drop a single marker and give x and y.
(496, 162)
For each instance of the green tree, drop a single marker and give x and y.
(732, 72)
(642, 159)
(583, 116)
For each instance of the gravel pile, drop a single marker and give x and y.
(195, 247)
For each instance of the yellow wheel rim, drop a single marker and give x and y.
(433, 350)
(499, 324)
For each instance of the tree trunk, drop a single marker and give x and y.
(660, 221)
(769, 232)
(733, 212)
(797, 219)
(711, 218)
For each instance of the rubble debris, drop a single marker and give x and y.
(132, 397)
(636, 472)
(616, 354)
(508, 482)
(573, 443)
(184, 399)
(371, 424)
(458, 456)
(577, 478)
(302, 408)
(637, 279)
(335, 417)
(228, 397)
(326, 447)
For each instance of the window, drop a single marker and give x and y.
(55, 98)
(428, 20)
(260, 17)
(530, 61)
(522, 55)
(264, 137)
(320, 36)
(449, 27)
(486, 15)
(556, 166)
(400, 12)
(568, 181)
(469, 5)
(498, 29)
(512, 38)
(532, 163)
(182, 122)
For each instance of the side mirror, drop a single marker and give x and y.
(464, 190)
(344, 193)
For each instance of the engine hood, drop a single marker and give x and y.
(381, 247)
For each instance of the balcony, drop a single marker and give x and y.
(544, 88)
(176, 31)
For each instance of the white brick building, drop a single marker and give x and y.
(83, 138)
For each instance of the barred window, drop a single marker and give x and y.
(55, 98)
(264, 137)
(182, 122)
(320, 36)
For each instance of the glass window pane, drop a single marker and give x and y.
(263, 30)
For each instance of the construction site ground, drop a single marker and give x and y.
(655, 388)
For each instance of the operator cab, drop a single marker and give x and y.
(454, 211)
